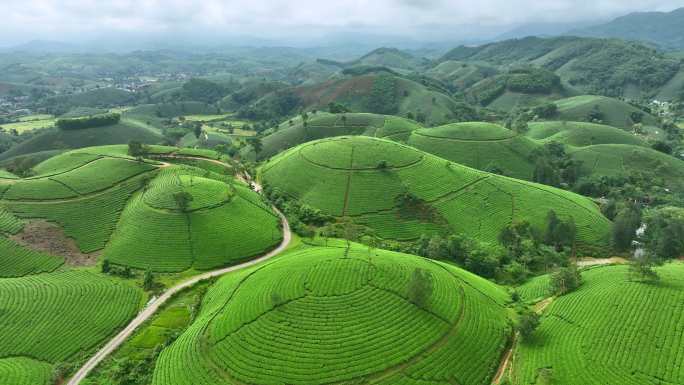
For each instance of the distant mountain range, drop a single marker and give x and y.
(665, 29)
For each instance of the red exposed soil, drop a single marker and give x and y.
(49, 238)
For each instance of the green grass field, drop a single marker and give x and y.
(324, 125)
(483, 146)
(318, 316)
(341, 176)
(224, 223)
(581, 134)
(612, 330)
(30, 123)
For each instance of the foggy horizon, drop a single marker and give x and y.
(298, 24)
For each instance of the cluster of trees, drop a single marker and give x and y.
(532, 80)
(274, 106)
(337, 108)
(554, 167)
(522, 250)
(384, 95)
(673, 144)
(88, 121)
(303, 218)
(655, 235)
(202, 90)
(546, 110)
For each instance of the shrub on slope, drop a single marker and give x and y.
(401, 192)
(326, 315)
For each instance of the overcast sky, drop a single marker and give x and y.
(80, 20)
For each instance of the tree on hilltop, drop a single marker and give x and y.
(256, 144)
(148, 280)
(183, 199)
(565, 280)
(137, 149)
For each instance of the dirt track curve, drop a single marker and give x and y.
(153, 306)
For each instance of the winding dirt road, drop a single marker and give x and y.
(153, 306)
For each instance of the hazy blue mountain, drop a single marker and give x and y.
(665, 29)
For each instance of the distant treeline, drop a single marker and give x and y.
(88, 121)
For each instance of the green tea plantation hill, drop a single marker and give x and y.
(384, 94)
(53, 320)
(608, 67)
(324, 315)
(141, 213)
(321, 125)
(613, 330)
(401, 192)
(484, 146)
(581, 134)
(604, 110)
(628, 160)
(608, 151)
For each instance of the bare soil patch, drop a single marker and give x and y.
(49, 238)
(586, 262)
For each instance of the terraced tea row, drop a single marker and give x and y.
(319, 316)
(324, 125)
(422, 196)
(222, 224)
(18, 261)
(613, 330)
(66, 312)
(24, 371)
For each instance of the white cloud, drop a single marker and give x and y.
(81, 19)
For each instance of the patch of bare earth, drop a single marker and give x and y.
(587, 262)
(49, 238)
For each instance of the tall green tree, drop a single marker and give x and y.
(420, 287)
(625, 226)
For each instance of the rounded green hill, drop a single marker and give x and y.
(484, 146)
(613, 112)
(580, 134)
(223, 222)
(417, 193)
(324, 125)
(205, 193)
(627, 160)
(339, 154)
(612, 330)
(326, 315)
(469, 131)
